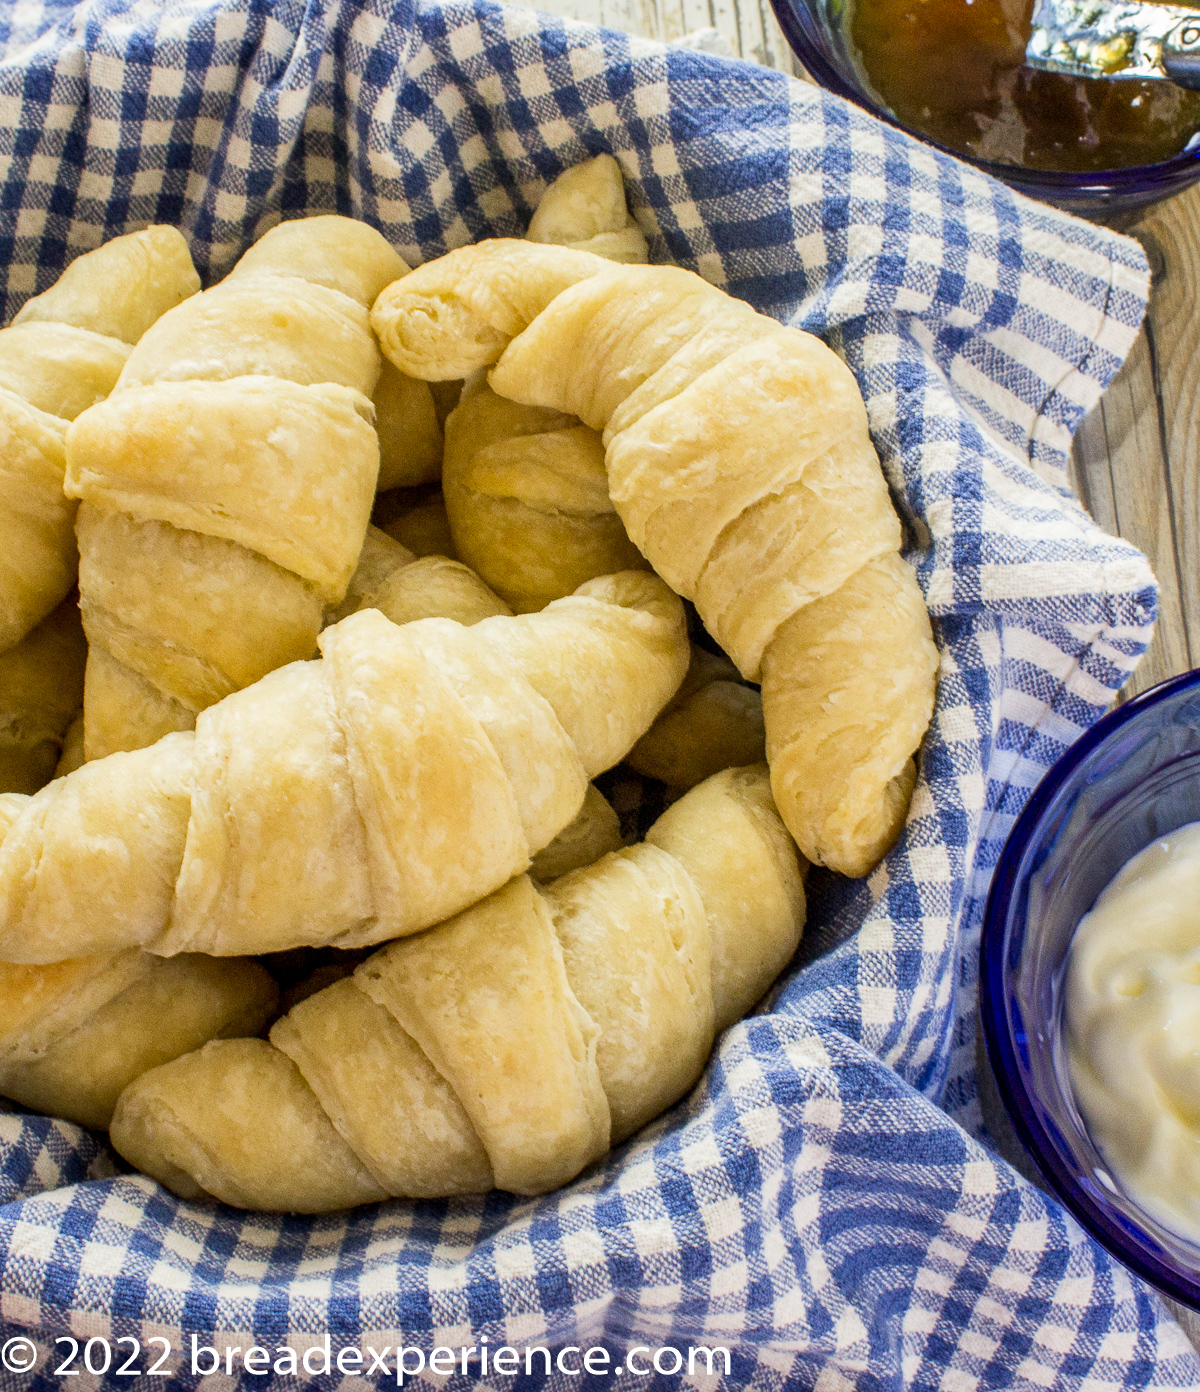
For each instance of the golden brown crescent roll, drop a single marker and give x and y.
(527, 500)
(120, 288)
(714, 721)
(228, 481)
(595, 831)
(404, 587)
(260, 325)
(350, 800)
(63, 354)
(585, 208)
(41, 686)
(410, 433)
(739, 460)
(510, 1045)
(424, 529)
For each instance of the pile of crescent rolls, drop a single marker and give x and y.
(326, 595)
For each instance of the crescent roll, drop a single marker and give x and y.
(410, 772)
(510, 1046)
(227, 482)
(526, 498)
(75, 1034)
(63, 353)
(585, 208)
(347, 256)
(121, 288)
(739, 460)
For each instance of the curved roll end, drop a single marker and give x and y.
(585, 208)
(729, 837)
(636, 589)
(88, 1053)
(848, 691)
(120, 288)
(196, 1125)
(457, 314)
(627, 631)
(340, 253)
(69, 886)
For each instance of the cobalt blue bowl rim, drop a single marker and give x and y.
(1174, 1279)
(1128, 187)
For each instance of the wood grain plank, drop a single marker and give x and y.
(748, 26)
(672, 20)
(724, 19)
(697, 14)
(1171, 235)
(1121, 475)
(752, 38)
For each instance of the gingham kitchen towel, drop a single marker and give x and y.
(825, 1205)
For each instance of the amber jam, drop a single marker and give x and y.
(954, 70)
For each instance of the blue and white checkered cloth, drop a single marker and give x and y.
(826, 1204)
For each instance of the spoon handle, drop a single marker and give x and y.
(1181, 55)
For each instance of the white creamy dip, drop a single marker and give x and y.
(1133, 1028)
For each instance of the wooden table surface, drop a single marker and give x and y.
(1137, 456)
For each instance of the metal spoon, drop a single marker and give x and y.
(1116, 39)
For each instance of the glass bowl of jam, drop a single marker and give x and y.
(1129, 781)
(953, 73)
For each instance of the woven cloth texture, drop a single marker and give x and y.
(826, 1205)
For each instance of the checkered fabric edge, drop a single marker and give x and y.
(825, 1204)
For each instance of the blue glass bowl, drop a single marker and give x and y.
(1133, 777)
(817, 37)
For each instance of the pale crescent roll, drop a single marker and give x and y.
(340, 253)
(349, 256)
(585, 209)
(64, 353)
(510, 1045)
(120, 288)
(75, 1034)
(286, 471)
(267, 326)
(410, 772)
(58, 368)
(219, 518)
(739, 460)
